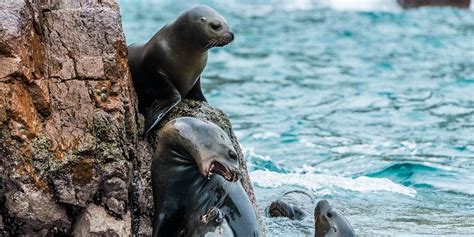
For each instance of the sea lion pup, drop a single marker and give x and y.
(196, 188)
(329, 222)
(168, 67)
(292, 205)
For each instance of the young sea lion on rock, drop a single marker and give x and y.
(196, 191)
(168, 67)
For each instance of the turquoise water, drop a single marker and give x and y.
(372, 110)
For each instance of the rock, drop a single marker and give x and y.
(64, 150)
(36, 211)
(95, 221)
(421, 3)
(71, 160)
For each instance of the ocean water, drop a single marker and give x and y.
(368, 106)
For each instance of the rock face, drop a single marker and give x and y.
(71, 161)
(67, 115)
(421, 3)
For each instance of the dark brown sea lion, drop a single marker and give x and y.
(168, 67)
(196, 191)
(421, 3)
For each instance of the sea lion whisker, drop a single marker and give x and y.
(209, 43)
(212, 43)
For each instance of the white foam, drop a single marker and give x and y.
(307, 143)
(294, 5)
(364, 5)
(265, 135)
(250, 153)
(316, 182)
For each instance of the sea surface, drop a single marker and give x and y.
(371, 108)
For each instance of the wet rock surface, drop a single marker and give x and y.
(71, 159)
(95, 221)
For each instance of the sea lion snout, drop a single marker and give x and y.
(231, 36)
(222, 29)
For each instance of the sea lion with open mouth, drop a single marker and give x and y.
(196, 186)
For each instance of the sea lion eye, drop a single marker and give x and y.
(203, 19)
(329, 214)
(215, 25)
(232, 155)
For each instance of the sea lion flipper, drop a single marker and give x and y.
(196, 93)
(159, 108)
(157, 224)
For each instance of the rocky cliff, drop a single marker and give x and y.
(71, 159)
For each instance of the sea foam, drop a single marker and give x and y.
(315, 182)
(364, 5)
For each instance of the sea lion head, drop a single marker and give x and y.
(290, 205)
(329, 222)
(209, 28)
(210, 147)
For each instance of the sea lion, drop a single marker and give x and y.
(168, 67)
(421, 3)
(292, 205)
(329, 222)
(189, 200)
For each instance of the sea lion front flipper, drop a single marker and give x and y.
(159, 220)
(161, 106)
(196, 93)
